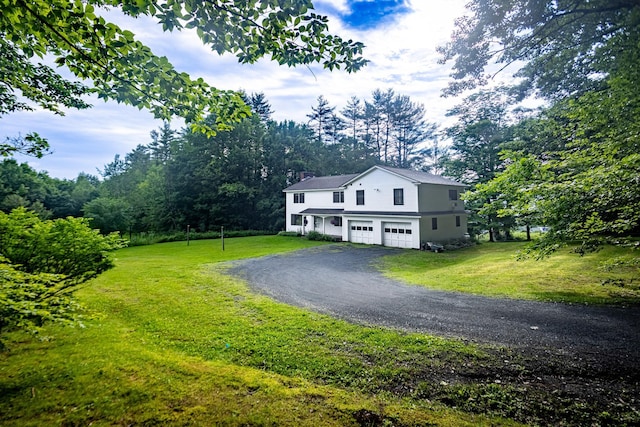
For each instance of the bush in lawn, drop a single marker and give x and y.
(42, 263)
(314, 235)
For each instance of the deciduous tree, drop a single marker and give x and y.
(119, 67)
(558, 48)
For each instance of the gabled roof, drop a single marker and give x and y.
(417, 177)
(321, 182)
(340, 181)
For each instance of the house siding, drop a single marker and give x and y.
(447, 228)
(313, 199)
(435, 198)
(407, 225)
(378, 187)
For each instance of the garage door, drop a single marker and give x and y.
(398, 234)
(361, 231)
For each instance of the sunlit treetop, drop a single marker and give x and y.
(116, 66)
(559, 47)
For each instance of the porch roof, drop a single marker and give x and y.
(322, 211)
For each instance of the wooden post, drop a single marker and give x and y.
(222, 237)
(188, 229)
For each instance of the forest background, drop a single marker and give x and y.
(571, 166)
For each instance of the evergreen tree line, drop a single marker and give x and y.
(233, 179)
(571, 166)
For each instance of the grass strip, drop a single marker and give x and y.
(492, 269)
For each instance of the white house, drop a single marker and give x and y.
(383, 205)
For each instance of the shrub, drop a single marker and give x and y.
(42, 263)
(289, 233)
(151, 238)
(315, 235)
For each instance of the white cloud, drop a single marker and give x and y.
(339, 5)
(402, 54)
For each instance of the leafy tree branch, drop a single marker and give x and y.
(121, 68)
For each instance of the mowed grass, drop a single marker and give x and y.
(173, 340)
(492, 269)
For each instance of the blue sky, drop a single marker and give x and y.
(400, 38)
(367, 15)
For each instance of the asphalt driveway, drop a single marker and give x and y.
(341, 281)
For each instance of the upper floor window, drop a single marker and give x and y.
(298, 197)
(359, 197)
(398, 196)
(338, 197)
(453, 194)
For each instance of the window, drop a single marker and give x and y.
(337, 221)
(457, 220)
(398, 196)
(338, 197)
(359, 197)
(453, 194)
(296, 219)
(298, 197)
(434, 223)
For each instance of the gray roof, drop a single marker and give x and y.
(418, 176)
(338, 181)
(321, 182)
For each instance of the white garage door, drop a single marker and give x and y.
(361, 231)
(398, 234)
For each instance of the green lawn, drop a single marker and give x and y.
(492, 269)
(173, 340)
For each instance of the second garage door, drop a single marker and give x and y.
(361, 231)
(398, 234)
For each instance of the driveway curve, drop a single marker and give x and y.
(342, 281)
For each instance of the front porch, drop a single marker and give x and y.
(324, 221)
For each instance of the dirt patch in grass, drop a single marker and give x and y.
(530, 386)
